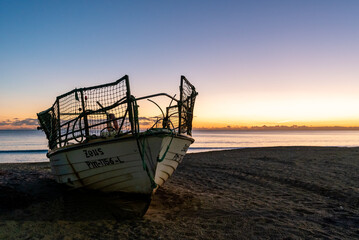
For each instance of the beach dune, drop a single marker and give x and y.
(281, 192)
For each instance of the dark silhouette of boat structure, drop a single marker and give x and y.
(97, 140)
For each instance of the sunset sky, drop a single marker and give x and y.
(252, 62)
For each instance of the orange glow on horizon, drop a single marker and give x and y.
(240, 124)
(198, 123)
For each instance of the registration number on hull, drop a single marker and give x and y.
(103, 162)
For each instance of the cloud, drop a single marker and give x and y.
(5, 123)
(147, 120)
(16, 122)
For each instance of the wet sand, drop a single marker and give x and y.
(265, 193)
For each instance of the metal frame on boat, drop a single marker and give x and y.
(97, 140)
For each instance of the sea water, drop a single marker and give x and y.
(224, 140)
(22, 146)
(31, 145)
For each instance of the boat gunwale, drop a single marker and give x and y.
(53, 152)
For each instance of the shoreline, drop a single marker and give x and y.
(266, 192)
(190, 151)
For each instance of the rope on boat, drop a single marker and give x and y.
(168, 147)
(143, 145)
(145, 167)
(142, 153)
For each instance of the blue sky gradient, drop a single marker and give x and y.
(253, 62)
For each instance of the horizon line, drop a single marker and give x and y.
(276, 128)
(245, 128)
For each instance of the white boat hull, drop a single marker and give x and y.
(171, 159)
(120, 165)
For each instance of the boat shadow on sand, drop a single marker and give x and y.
(46, 200)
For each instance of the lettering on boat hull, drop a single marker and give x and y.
(178, 158)
(104, 162)
(93, 152)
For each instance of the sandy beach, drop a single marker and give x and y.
(265, 193)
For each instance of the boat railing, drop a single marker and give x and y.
(83, 114)
(109, 110)
(178, 117)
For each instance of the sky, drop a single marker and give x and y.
(252, 62)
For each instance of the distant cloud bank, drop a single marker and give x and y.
(32, 123)
(16, 123)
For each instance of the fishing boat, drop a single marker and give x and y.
(98, 141)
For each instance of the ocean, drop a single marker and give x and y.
(31, 145)
(22, 146)
(224, 140)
